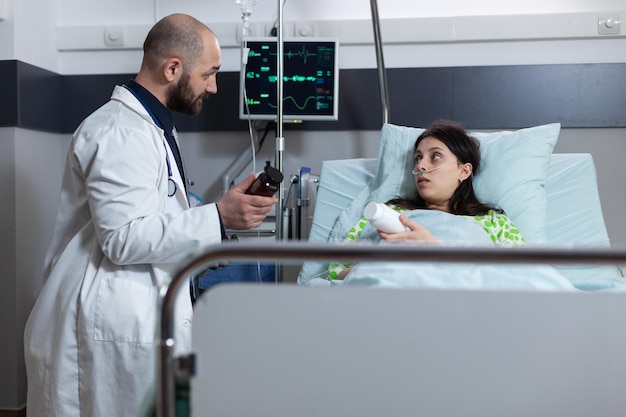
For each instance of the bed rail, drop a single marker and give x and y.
(303, 251)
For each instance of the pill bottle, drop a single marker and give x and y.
(267, 182)
(383, 218)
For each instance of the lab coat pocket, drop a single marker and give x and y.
(125, 311)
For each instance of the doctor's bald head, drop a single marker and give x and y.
(181, 59)
(177, 35)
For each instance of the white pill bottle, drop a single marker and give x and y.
(383, 218)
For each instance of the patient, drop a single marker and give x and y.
(446, 158)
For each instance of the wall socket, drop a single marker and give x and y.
(305, 29)
(609, 24)
(114, 36)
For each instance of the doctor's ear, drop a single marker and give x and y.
(172, 68)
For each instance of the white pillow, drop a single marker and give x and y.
(514, 168)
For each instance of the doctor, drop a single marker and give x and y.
(123, 227)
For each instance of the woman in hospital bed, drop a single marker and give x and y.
(443, 209)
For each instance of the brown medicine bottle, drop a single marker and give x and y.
(267, 183)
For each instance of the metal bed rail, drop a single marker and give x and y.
(303, 251)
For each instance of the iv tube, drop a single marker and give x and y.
(246, 11)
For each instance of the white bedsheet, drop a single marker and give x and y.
(450, 230)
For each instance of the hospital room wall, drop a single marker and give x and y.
(31, 160)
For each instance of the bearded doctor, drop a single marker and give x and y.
(123, 226)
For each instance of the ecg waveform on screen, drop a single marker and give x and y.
(319, 105)
(292, 78)
(323, 56)
(303, 53)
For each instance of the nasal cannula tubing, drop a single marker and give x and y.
(422, 172)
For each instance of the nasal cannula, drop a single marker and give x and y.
(422, 172)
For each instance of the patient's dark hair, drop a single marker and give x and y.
(466, 149)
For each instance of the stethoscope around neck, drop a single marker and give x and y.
(171, 184)
(172, 187)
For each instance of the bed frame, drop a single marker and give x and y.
(285, 350)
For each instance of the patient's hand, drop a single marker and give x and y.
(343, 273)
(416, 232)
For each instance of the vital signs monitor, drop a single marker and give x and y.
(310, 79)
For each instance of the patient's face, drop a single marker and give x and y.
(437, 186)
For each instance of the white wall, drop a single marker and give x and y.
(7, 29)
(28, 33)
(31, 162)
(448, 33)
(40, 159)
(32, 37)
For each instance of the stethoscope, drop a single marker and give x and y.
(172, 187)
(171, 184)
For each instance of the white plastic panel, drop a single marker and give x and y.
(290, 350)
(394, 31)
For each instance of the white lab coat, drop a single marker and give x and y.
(90, 339)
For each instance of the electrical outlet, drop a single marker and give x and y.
(609, 24)
(114, 36)
(305, 29)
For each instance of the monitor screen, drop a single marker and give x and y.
(310, 79)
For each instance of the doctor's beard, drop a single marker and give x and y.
(181, 97)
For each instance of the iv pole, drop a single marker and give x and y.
(382, 75)
(280, 140)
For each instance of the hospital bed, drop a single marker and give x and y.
(318, 349)
(552, 198)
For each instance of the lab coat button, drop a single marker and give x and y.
(186, 322)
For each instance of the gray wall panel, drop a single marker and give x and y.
(41, 99)
(8, 93)
(497, 97)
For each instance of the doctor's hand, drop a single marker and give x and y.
(416, 232)
(240, 211)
